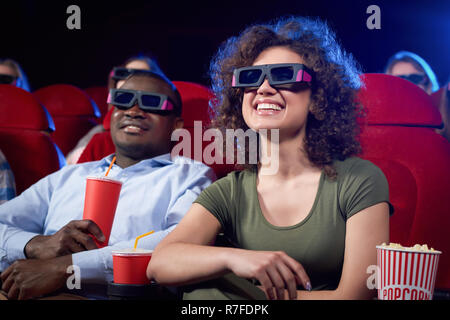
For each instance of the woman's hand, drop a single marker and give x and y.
(273, 269)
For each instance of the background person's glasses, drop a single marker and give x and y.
(415, 78)
(7, 79)
(119, 73)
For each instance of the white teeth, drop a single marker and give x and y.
(268, 106)
(133, 127)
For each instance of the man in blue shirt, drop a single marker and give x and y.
(44, 223)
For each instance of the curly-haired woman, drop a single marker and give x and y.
(312, 225)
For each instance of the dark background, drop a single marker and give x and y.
(183, 36)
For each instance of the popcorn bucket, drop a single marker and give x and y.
(406, 273)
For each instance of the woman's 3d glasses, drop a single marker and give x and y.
(147, 101)
(277, 74)
(7, 79)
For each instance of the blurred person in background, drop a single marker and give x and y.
(12, 73)
(410, 66)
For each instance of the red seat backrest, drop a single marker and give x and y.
(399, 137)
(72, 111)
(24, 139)
(195, 99)
(437, 96)
(107, 120)
(99, 95)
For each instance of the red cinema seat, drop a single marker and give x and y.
(107, 120)
(400, 138)
(100, 144)
(99, 95)
(24, 137)
(441, 100)
(72, 111)
(195, 99)
(437, 96)
(98, 147)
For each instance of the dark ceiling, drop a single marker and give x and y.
(183, 35)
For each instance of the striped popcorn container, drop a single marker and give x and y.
(406, 274)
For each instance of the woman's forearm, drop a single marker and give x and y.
(183, 263)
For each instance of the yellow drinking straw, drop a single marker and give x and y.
(141, 236)
(112, 162)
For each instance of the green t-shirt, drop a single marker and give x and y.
(318, 241)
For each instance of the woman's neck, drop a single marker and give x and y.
(284, 157)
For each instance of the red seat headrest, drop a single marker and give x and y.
(107, 119)
(66, 100)
(195, 99)
(19, 109)
(99, 95)
(394, 101)
(437, 96)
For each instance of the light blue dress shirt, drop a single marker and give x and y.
(155, 195)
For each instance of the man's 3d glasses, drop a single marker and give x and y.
(277, 74)
(147, 101)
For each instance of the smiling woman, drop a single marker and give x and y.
(332, 128)
(313, 223)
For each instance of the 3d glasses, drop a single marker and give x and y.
(277, 74)
(415, 78)
(147, 101)
(119, 73)
(7, 79)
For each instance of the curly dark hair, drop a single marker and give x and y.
(332, 126)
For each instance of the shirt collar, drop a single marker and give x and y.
(158, 161)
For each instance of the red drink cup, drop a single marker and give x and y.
(406, 273)
(100, 202)
(130, 266)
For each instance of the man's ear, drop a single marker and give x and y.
(178, 123)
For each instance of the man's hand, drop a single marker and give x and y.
(73, 237)
(31, 278)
